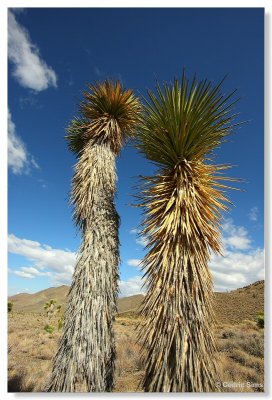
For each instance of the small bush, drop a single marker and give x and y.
(49, 328)
(260, 320)
(227, 334)
(253, 345)
(10, 305)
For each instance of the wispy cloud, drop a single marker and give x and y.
(30, 100)
(134, 262)
(29, 272)
(131, 286)
(30, 70)
(134, 231)
(140, 239)
(19, 159)
(254, 214)
(43, 183)
(98, 72)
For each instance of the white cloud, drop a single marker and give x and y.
(29, 69)
(140, 239)
(254, 214)
(56, 263)
(134, 262)
(23, 274)
(131, 286)
(238, 242)
(29, 272)
(237, 267)
(235, 236)
(19, 160)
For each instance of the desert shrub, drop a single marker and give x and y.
(253, 345)
(226, 345)
(227, 334)
(247, 360)
(49, 328)
(239, 356)
(10, 305)
(260, 320)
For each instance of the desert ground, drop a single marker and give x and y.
(240, 344)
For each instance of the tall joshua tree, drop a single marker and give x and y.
(86, 354)
(182, 124)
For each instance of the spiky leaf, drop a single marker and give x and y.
(109, 114)
(184, 121)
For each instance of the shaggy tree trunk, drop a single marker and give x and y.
(86, 355)
(177, 329)
(178, 318)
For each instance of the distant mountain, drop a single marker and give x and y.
(230, 307)
(25, 302)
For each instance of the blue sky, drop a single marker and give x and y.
(53, 53)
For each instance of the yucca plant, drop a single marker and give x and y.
(182, 124)
(86, 354)
(51, 309)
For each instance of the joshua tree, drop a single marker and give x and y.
(51, 309)
(182, 202)
(86, 354)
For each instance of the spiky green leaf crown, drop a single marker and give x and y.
(184, 121)
(109, 114)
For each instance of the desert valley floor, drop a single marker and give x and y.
(240, 341)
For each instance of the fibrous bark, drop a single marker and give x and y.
(181, 226)
(85, 358)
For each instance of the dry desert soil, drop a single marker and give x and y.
(240, 341)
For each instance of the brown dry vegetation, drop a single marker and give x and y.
(31, 350)
(240, 341)
(243, 303)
